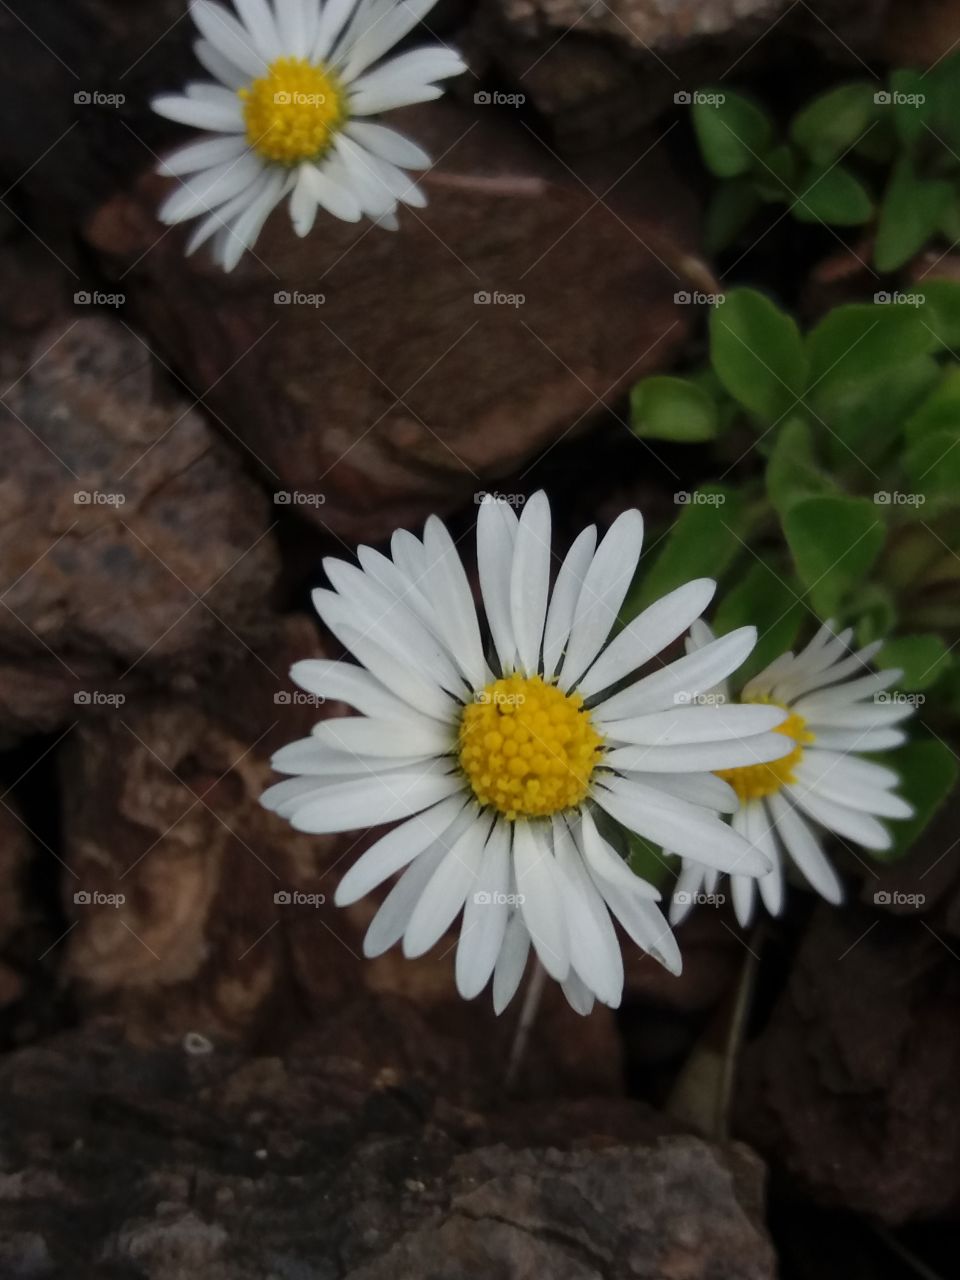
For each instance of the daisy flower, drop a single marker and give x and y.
(295, 83)
(504, 768)
(836, 707)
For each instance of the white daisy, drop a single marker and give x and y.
(836, 708)
(505, 769)
(295, 83)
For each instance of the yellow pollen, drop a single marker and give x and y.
(527, 748)
(293, 112)
(754, 781)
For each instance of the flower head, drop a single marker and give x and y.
(836, 707)
(508, 768)
(295, 81)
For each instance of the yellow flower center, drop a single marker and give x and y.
(754, 781)
(293, 112)
(527, 748)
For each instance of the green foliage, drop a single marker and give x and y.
(672, 409)
(757, 354)
(928, 773)
(854, 155)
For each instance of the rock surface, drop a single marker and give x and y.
(852, 1087)
(132, 544)
(176, 1163)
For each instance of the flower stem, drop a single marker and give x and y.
(528, 1014)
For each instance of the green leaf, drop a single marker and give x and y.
(731, 208)
(776, 174)
(921, 658)
(761, 598)
(911, 106)
(866, 415)
(933, 466)
(648, 861)
(834, 541)
(703, 541)
(833, 196)
(834, 121)
(942, 311)
(731, 130)
(928, 773)
(855, 340)
(792, 471)
(663, 408)
(940, 411)
(875, 609)
(942, 86)
(757, 354)
(909, 216)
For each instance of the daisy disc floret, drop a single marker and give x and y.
(836, 707)
(287, 114)
(510, 750)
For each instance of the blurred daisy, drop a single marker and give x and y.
(295, 83)
(504, 769)
(836, 707)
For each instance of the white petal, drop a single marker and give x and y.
(705, 789)
(223, 217)
(202, 155)
(221, 68)
(485, 915)
(203, 192)
(594, 950)
(644, 922)
(804, 848)
(864, 772)
(542, 905)
(344, 682)
(605, 863)
(403, 80)
(387, 926)
(444, 895)
(257, 17)
(852, 691)
(510, 963)
(759, 831)
(447, 586)
(383, 35)
(396, 849)
(681, 681)
(692, 724)
(365, 735)
(530, 580)
(333, 15)
(845, 788)
(245, 230)
(389, 93)
(859, 739)
(228, 37)
(579, 996)
(862, 715)
(367, 802)
(496, 534)
(685, 828)
(388, 144)
(563, 601)
(296, 26)
(362, 179)
(303, 205)
(604, 589)
(648, 634)
(849, 823)
(697, 757)
(335, 197)
(201, 115)
(685, 892)
(284, 798)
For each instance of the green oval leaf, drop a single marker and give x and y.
(731, 130)
(664, 408)
(758, 354)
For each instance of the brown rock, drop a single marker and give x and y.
(166, 1164)
(398, 394)
(132, 544)
(852, 1086)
